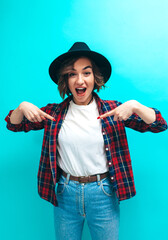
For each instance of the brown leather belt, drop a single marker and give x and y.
(91, 178)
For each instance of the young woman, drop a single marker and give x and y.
(85, 150)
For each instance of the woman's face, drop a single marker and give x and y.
(81, 81)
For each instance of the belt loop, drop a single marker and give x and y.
(98, 179)
(67, 178)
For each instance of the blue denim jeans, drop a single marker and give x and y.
(96, 202)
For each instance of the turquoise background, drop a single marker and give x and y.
(133, 36)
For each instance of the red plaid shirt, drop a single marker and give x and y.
(115, 142)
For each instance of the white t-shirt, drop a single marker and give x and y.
(81, 149)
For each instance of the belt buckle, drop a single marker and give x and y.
(81, 178)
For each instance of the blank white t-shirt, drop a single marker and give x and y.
(81, 149)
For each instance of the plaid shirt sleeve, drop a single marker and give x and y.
(136, 123)
(26, 125)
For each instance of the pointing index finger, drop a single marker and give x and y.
(110, 113)
(47, 116)
(50, 117)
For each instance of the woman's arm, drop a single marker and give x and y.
(29, 117)
(137, 116)
(145, 113)
(125, 110)
(30, 111)
(16, 116)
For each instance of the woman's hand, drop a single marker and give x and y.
(125, 110)
(33, 113)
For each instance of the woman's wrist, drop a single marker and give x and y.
(136, 106)
(145, 113)
(17, 115)
(20, 107)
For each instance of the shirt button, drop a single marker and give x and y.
(112, 178)
(107, 149)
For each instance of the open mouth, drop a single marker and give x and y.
(80, 90)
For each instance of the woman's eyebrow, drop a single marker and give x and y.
(87, 67)
(73, 69)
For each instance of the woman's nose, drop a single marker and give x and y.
(80, 79)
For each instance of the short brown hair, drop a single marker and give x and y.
(67, 67)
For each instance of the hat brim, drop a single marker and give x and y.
(102, 63)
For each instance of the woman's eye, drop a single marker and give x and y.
(71, 74)
(87, 73)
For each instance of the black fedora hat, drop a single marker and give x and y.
(81, 49)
